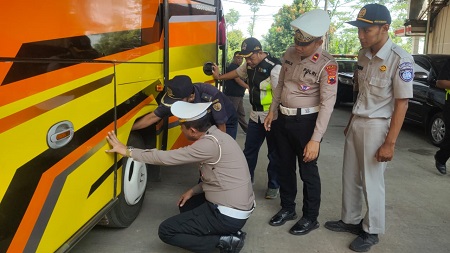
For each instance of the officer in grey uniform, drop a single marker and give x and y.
(384, 81)
(215, 210)
(304, 97)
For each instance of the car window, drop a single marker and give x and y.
(419, 68)
(422, 65)
(346, 66)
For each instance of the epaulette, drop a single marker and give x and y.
(401, 52)
(206, 97)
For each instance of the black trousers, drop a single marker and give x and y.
(292, 134)
(443, 153)
(198, 227)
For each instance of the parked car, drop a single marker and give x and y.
(427, 103)
(347, 65)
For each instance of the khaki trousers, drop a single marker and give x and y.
(362, 175)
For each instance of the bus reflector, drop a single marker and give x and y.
(62, 135)
(159, 87)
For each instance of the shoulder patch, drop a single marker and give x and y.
(406, 71)
(331, 69)
(332, 73)
(217, 106)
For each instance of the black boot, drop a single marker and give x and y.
(232, 243)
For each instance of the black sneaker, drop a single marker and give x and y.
(340, 226)
(363, 242)
(440, 166)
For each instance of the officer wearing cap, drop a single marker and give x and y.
(304, 98)
(214, 211)
(384, 84)
(261, 71)
(181, 88)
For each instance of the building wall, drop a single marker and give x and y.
(439, 42)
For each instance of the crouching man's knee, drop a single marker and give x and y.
(163, 233)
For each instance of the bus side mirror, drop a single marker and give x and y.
(207, 68)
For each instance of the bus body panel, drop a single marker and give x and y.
(74, 70)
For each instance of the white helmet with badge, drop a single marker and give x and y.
(189, 111)
(310, 26)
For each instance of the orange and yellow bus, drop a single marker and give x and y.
(70, 71)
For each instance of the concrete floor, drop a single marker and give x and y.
(417, 204)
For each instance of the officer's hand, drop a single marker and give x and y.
(385, 153)
(215, 71)
(268, 121)
(187, 195)
(117, 146)
(311, 151)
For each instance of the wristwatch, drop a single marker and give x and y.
(128, 151)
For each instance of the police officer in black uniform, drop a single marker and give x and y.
(443, 153)
(181, 88)
(261, 71)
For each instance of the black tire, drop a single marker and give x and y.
(436, 129)
(134, 177)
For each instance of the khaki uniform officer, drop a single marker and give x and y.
(384, 80)
(305, 96)
(215, 210)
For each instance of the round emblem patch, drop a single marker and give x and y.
(406, 75)
(217, 106)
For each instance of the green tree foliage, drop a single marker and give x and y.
(234, 39)
(280, 35)
(232, 18)
(399, 11)
(343, 38)
(254, 7)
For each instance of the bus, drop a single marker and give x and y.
(70, 71)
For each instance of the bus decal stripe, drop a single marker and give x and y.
(53, 195)
(33, 111)
(102, 178)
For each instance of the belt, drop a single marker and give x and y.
(298, 111)
(235, 213)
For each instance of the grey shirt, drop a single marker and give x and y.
(222, 164)
(381, 79)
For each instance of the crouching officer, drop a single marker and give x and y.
(214, 211)
(304, 97)
(181, 88)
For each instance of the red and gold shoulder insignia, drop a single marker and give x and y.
(315, 57)
(331, 79)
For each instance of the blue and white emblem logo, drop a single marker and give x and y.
(406, 71)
